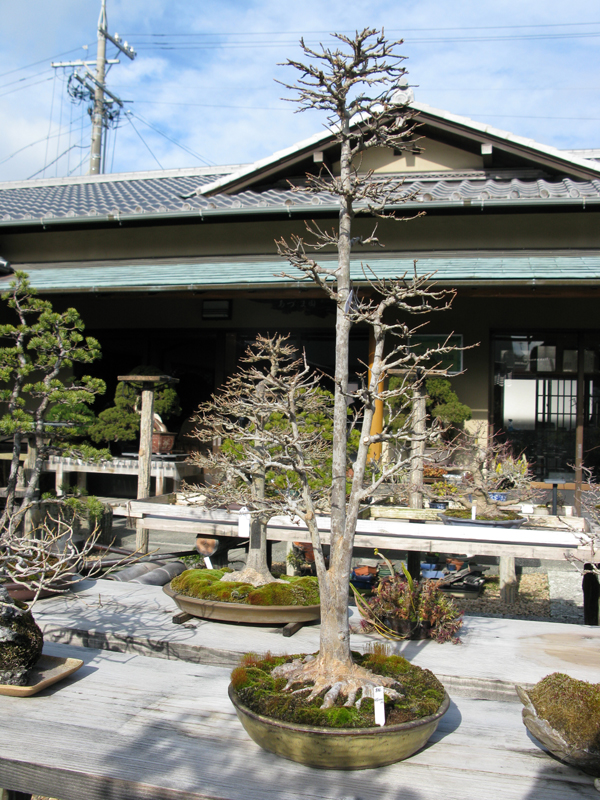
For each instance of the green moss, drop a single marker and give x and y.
(422, 694)
(571, 707)
(206, 584)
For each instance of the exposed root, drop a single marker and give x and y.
(335, 678)
(252, 576)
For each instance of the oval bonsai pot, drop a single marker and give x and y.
(338, 748)
(486, 523)
(242, 612)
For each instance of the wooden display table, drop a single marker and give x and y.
(175, 467)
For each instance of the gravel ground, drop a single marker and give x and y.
(533, 601)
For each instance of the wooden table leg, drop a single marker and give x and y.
(11, 794)
(508, 580)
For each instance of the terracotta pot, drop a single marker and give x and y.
(242, 612)
(338, 748)
(163, 442)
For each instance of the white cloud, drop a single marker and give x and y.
(221, 100)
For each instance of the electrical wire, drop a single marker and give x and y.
(174, 141)
(50, 122)
(144, 142)
(45, 167)
(29, 85)
(31, 144)
(41, 61)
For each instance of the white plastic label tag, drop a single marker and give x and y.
(207, 562)
(243, 523)
(379, 705)
(473, 512)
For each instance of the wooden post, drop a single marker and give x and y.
(149, 383)
(417, 448)
(508, 580)
(375, 450)
(579, 424)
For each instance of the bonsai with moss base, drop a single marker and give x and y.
(493, 478)
(564, 714)
(267, 411)
(356, 83)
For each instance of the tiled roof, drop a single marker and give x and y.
(247, 272)
(140, 197)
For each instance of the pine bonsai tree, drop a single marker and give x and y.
(44, 344)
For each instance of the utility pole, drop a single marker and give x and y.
(92, 87)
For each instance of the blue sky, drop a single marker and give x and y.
(204, 74)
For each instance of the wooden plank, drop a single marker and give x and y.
(127, 731)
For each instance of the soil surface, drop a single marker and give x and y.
(533, 601)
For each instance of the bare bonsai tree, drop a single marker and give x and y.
(355, 83)
(45, 560)
(268, 413)
(490, 469)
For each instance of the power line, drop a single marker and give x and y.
(42, 61)
(144, 142)
(29, 85)
(45, 167)
(183, 147)
(389, 30)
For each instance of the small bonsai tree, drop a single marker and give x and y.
(489, 470)
(44, 347)
(121, 421)
(268, 415)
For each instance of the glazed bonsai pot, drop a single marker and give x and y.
(554, 741)
(485, 523)
(338, 748)
(242, 612)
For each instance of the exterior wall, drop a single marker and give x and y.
(436, 157)
(472, 230)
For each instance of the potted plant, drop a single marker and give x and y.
(42, 408)
(491, 480)
(44, 561)
(402, 608)
(121, 421)
(356, 82)
(564, 715)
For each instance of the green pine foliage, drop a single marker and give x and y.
(41, 400)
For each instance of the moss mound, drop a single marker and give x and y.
(258, 690)
(206, 584)
(571, 707)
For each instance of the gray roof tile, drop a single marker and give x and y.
(176, 194)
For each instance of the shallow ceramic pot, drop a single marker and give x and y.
(338, 748)
(242, 612)
(486, 523)
(554, 741)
